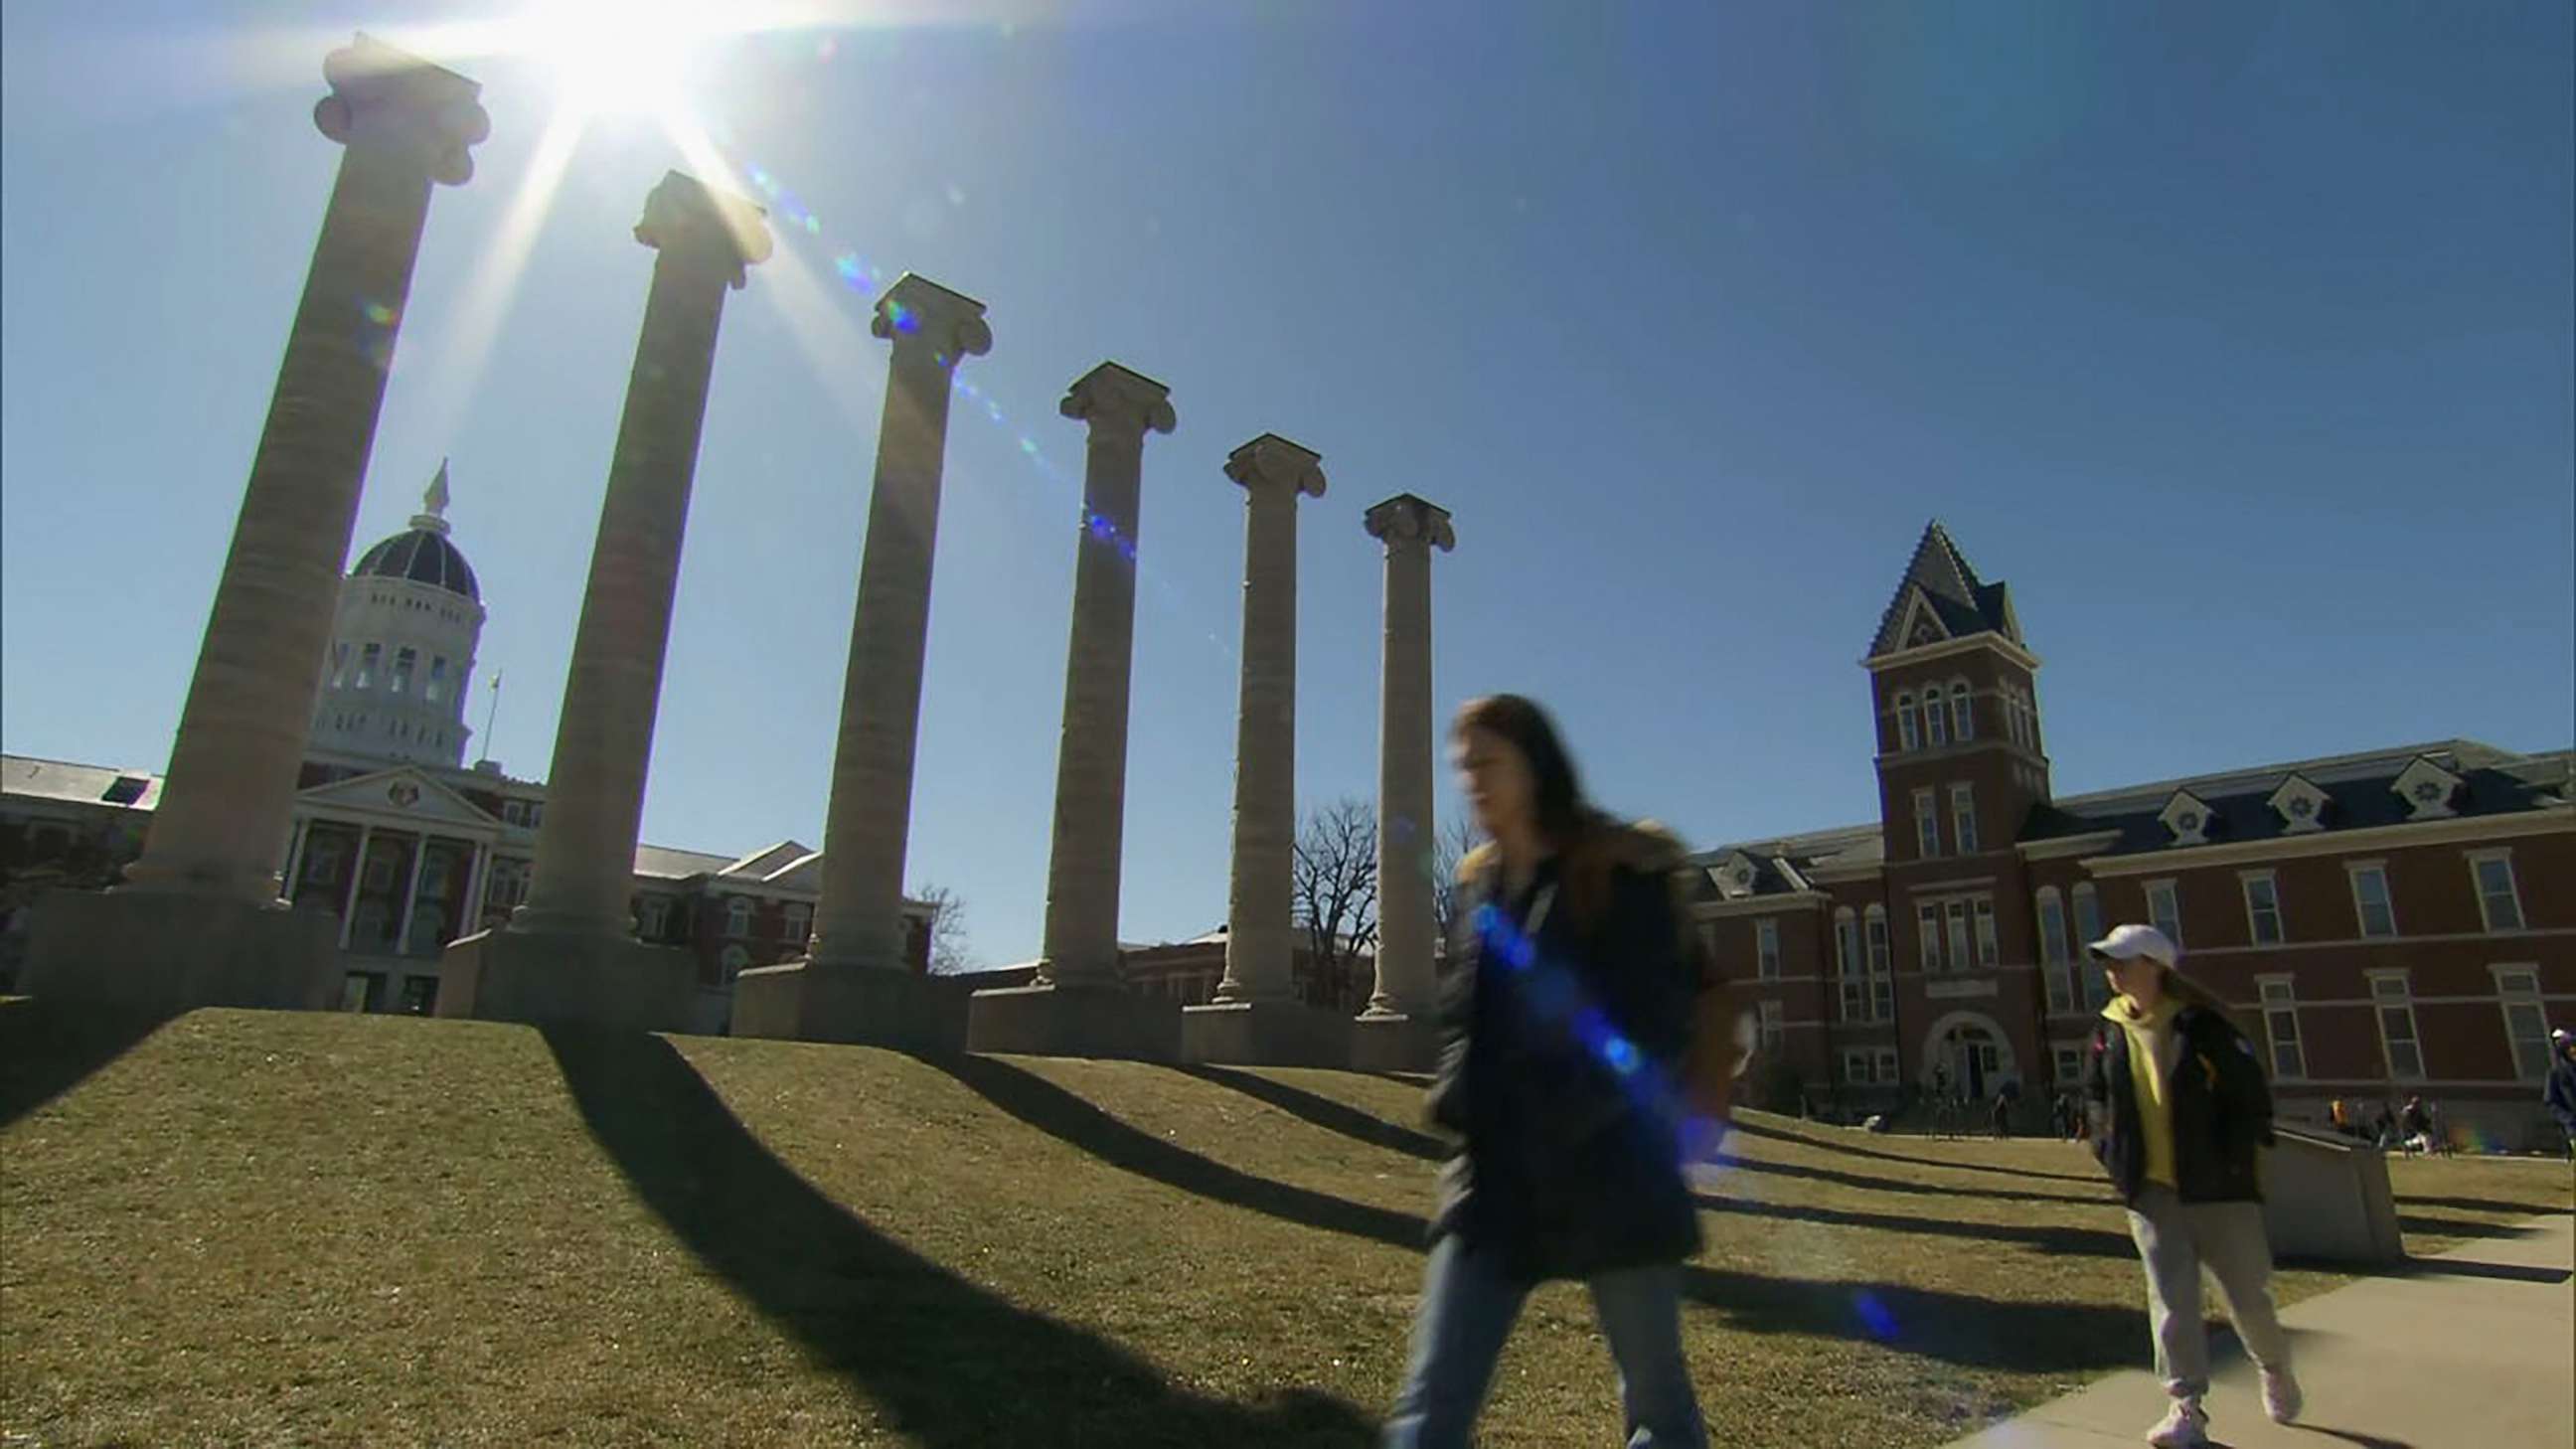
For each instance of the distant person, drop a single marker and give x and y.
(2066, 1117)
(2414, 1128)
(2002, 1115)
(1568, 1031)
(2560, 1093)
(2180, 1111)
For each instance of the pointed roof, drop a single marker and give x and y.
(1946, 586)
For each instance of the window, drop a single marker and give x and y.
(1935, 718)
(1989, 951)
(1708, 939)
(420, 995)
(1927, 825)
(369, 656)
(1860, 1067)
(2526, 1022)
(2263, 909)
(1770, 1028)
(732, 962)
(1963, 814)
(1963, 719)
(1959, 957)
(2088, 929)
(1908, 735)
(2395, 1004)
(738, 916)
(2497, 898)
(2056, 962)
(404, 660)
(652, 917)
(1882, 974)
(799, 928)
(2370, 899)
(1848, 970)
(2281, 1027)
(360, 989)
(2164, 909)
(2066, 1063)
(339, 664)
(437, 680)
(1927, 920)
(1766, 943)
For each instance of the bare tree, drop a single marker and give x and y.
(1458, 835)
(949, 952)
(1336, 889)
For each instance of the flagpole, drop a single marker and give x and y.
(494, 709)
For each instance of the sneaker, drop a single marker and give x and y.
(2281, 1397)
(2183, 1427)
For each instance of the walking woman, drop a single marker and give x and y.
(2180, 1111)
(1568, 1025)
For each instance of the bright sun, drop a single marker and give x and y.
(623, 57)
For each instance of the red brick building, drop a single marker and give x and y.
(2386, 923)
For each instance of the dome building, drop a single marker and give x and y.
(402, 648)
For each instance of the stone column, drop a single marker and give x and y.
(1255, 1017)
(230, 794)
(357, 882)
(1395, 1031)
(1260, 932)
(1081, 940)
(842, 991)
(579, 960)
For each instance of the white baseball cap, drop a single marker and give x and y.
(2128, 943)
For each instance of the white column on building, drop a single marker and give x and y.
(478, 876)
(295, 858)
(411, 894)
(357, 883)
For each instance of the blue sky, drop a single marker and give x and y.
(2235, 337)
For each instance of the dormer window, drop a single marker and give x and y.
(2300, 804)
(1733, 876)
(2187, 816)
(2427, 789)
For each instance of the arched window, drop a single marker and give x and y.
(738, 916)
(1908, 734)
(1963, 720)
(1936, 730)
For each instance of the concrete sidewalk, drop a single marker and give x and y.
(2475, 1349)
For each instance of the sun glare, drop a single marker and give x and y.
(623, 57)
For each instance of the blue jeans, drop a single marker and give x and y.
(1467, 1312)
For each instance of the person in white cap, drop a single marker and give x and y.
(2180, 1110)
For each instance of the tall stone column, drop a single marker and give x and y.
(1256, 1017)
(852, 986)
(1395, 1033)
(1081, 940)
(569, 953)
(406, 125)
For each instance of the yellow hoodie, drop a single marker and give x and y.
(2152, 1048)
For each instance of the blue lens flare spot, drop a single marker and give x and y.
(1874, 1315)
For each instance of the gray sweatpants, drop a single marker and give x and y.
(2176, 1240)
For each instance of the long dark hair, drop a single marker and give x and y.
(1565, 821)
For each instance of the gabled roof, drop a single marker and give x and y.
(1941, 580)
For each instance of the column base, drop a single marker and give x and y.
(1395, 1042)
(162, 951)
(1074, 1021)
(866, 1006)
(570, 980)
(1265, 1034)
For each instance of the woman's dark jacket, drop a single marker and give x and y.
(1572, 1162)
(2222, 1109)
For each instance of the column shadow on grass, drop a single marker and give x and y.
(1952, 1327)
(1830, 1144)
(48, 1047)
(952, 1364)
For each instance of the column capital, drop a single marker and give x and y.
(684, 218)
(391, 97)
(918, 310)
(1271, 461)
(1405, 519)
(1110, 396)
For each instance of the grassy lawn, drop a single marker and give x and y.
(270, 1228)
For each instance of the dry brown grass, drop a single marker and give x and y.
(268, 1228)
